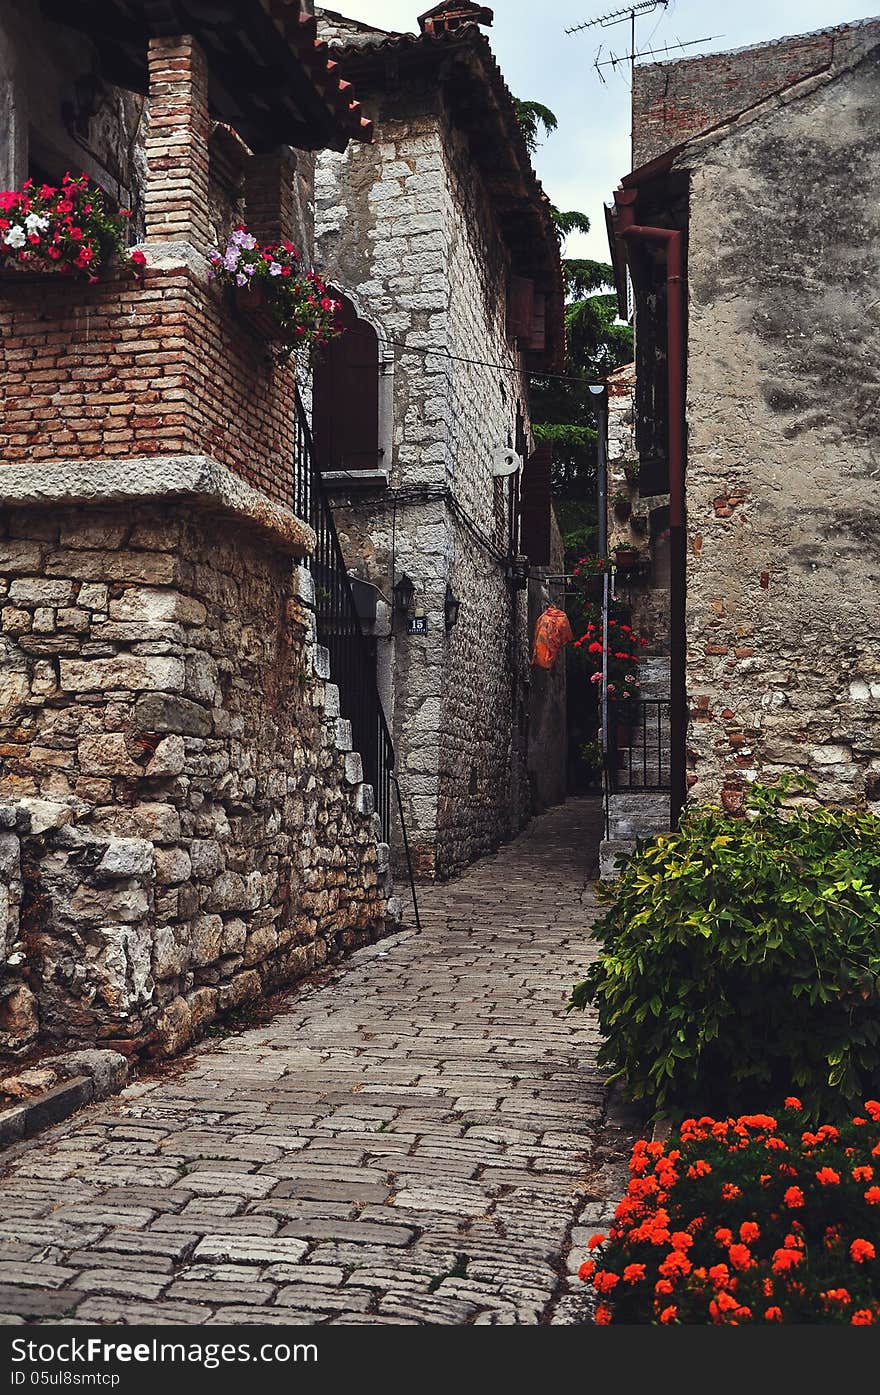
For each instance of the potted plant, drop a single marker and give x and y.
(626, 556)
(631, 471)
(269, 285)
(590, 572)
(622, 505)
(63, 231)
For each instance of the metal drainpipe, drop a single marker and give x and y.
(673, 241)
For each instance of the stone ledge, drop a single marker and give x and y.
(24, 1120)
(196, 479)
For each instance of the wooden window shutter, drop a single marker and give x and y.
(536, 505)
(345, 409)
(520, 307)
(537, 342)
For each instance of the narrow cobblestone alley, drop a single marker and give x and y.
(422, 1140)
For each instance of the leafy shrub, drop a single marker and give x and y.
(747, 1220)
(741, 959)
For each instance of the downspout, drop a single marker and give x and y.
(673, 241)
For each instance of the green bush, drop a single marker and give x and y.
(741, 959)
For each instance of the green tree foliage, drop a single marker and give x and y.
(534, 118)
(563, 408)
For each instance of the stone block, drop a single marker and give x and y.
(107, 754)
(172, 713)
(126, 672)
(126, 857)
(354, 768)
(37, 591)
(207, 931)
(150, 606)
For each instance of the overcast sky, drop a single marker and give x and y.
(583, 162)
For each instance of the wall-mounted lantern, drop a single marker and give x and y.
(451, 608)
(517, 572)
(404, 594)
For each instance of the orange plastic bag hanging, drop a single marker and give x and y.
(552, 633)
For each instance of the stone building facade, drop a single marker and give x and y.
(782, 663)
(431, 231)
(183, 822)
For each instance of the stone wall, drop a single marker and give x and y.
(784, 561)
(672, 102)
(193, 822)
(407, 227)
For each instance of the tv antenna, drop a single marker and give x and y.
(637, 10)
(615, 60)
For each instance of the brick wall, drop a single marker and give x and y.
(128, 369)
(673, 102)
(166, 364)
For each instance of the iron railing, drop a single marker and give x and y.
(352, 660)
(639, 746)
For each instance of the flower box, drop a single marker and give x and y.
(270, 289)
(66, 232)
(252, 304)
(626, 557)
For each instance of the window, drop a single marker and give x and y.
(346, 406)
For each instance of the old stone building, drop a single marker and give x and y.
(184, 822)
(442, 243)
(751, 234)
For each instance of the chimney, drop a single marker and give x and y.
(451, 15)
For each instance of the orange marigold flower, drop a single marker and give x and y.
(730, 1192)
(674, 1263)
(858, 1120)
(726, 1303)
(596, 1240)
(863, 1317)
(669, 1314)
(764, 1178)
(603, 1315)
(720, 1275)
(875, 1151)
(663, 1286)
(604, 1281)
(724, 1236)
(681, 1240)
(872, 1108)
(837, 1295)
(773, 1315)
(793, 1197)
(863, 1174)
(700, 1168)
(758, 1121)
(633, 1273)
(767, 1287)
(777, 1143)
(793, 1103)
(741, 1257)
(828, 1177)
(861, 1251)
(872, 1196)
(587, 1270)
(785, 1259)
(749, 1231)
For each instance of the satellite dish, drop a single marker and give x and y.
(505, 462)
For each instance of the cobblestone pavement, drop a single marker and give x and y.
(422, 1140)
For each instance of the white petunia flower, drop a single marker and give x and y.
(35, 223)
(15, 236)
